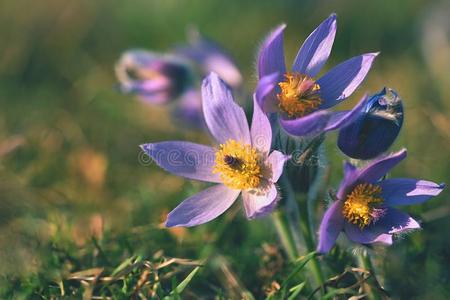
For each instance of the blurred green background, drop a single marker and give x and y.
(69, 166)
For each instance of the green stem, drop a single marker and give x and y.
(285, 235)
(365, 263)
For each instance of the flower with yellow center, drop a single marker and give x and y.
(238, 165)
(359, 207)
(243, 163)
(304, 98)
(364, 209)
(299, 95)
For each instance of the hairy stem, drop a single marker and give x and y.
(369, 287)
(285, 235)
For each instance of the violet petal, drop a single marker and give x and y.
(202, 207)
(224, 118)
(407, 191)
(316, 49)
(185, 159)
(341, 81)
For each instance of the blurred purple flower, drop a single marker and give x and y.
(241, 163)
(301, 100)
(376, 127)
(210, 57)
(363, 209)
(154, 78)
(162, 79)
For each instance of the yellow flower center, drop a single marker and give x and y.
(299, 95)
(238, 165)
(359, 207)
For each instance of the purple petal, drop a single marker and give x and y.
(202, 207)
(384, 239)
(155, 91)
(261, 132)
(321, 121)
(259, 205)
(265, 87)
(223, 66)
(225, 119)
(344, 118)
(271, 54)
(185, 159)
(378, 168)
(277, 160)
(317, 47)
(330, 227)
(211, 57)
(394, 221)
(350, 174)
(341, 81)
(309, 125)
(406, 191)
(349, 169)
(369, 174)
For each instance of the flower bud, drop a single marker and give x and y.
(154, 78)
(376, 129)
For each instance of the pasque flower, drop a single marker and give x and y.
(154, 78)
(376, 127)
(364, 206)
(303, 101)
(163, 78)
(240, 163)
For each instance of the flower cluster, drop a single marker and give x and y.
(243, 159)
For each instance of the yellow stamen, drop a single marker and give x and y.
(238, 165)
(358, 207)
(299, 95)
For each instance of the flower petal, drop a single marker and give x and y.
(257, 206)
(384, 239)
(370, 173)
(260, 132)
(317, 47)
(344, 118)
(394, 221)
(271, 54)
(350, 173)
(378, 168)
(341, 81)
(225, 119)
(265, 87)
(211, 57)
(330, 227)
(185, 159)
(406, 191)
(202, 207)
(277, 160)
(309, 125)
(155, 91)
(321, 121)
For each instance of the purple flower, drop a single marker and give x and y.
(241, 163)
(376, 127)
(301, 100)
(210, 57)
(364, 206)
(154, 78)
